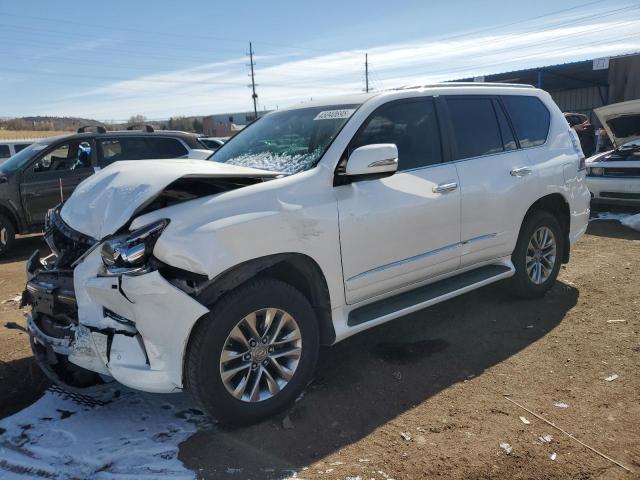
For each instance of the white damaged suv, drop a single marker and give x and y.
(223, 277)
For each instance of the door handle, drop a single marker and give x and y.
(445, 187)
(520, 172)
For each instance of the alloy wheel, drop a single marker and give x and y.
(541, 255)
(260, 355)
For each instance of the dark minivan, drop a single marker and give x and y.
(45, 173)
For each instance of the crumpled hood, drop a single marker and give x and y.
(106, 201)
(621, 121)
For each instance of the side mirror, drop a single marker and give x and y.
(379, 158)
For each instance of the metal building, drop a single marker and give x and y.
(580, 86)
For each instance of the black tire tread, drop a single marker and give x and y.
(11, 234)
(193, 380)
(519, 284)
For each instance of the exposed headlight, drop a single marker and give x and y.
(129, 253)
(595, 171)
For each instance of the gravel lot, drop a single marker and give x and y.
(423, 397)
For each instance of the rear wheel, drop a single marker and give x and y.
(254, 353)
(538, 254)
(7, 234)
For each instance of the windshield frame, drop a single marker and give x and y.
(355, 106)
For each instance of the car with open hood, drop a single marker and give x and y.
(613, 177)
(314, 223)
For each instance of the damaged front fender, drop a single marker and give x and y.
(161, 315)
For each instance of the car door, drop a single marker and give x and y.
(403, 228)
(496, 177)
(53, 177)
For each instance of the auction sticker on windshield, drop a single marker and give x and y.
(335, 114)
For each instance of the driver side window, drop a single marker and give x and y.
(412, 125)
(68, 156)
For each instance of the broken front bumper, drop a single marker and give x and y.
(87, 326)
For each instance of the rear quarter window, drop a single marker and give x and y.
(530, 119)
(19, 147)
(4, 151)
(167, 147)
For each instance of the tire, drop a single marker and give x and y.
(526, 283)
(7, 234)
(204, 364)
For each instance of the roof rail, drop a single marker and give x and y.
(466, 84)
(97, 128)
(146, 128)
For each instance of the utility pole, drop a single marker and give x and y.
(254, 95)
(366, 72)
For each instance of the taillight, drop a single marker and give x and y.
(575, 141)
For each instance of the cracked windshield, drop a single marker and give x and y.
(288, 141)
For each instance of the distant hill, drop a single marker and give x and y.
(46, 123)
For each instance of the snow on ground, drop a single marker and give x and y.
(627, 219)
(632, 221)
(134, 435)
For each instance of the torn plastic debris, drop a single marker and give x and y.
(506, 447)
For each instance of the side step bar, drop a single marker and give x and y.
(427, 295)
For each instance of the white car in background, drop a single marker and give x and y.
(11, 147)
(614, 176)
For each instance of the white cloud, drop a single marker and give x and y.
(222, 86)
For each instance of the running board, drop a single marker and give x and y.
(427, 295)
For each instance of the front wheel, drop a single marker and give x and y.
(7, 234)
(254, 353)
(537, 256)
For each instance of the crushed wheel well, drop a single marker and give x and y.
(296, 269)
(557, 206)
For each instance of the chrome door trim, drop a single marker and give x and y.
(404, 261)
(420, 256)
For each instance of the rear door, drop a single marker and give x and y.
(404, 228)
(54, 175)
(496, 176)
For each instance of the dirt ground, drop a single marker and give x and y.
(423, 397)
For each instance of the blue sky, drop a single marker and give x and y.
(111, 60)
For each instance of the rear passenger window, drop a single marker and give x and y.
(19, 147)
(167, 147)
(475, 126)
(530, 119)
(4, 151)
(411, 125)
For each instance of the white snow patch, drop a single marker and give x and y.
(610, 216)
(632, 221)
(135, 435)
(627, 219)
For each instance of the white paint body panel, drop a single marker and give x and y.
(395, 231)
(371, 239)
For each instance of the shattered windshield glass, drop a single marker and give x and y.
(289, 141)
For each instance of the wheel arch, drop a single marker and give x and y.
(296, 269)
(558, 206)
